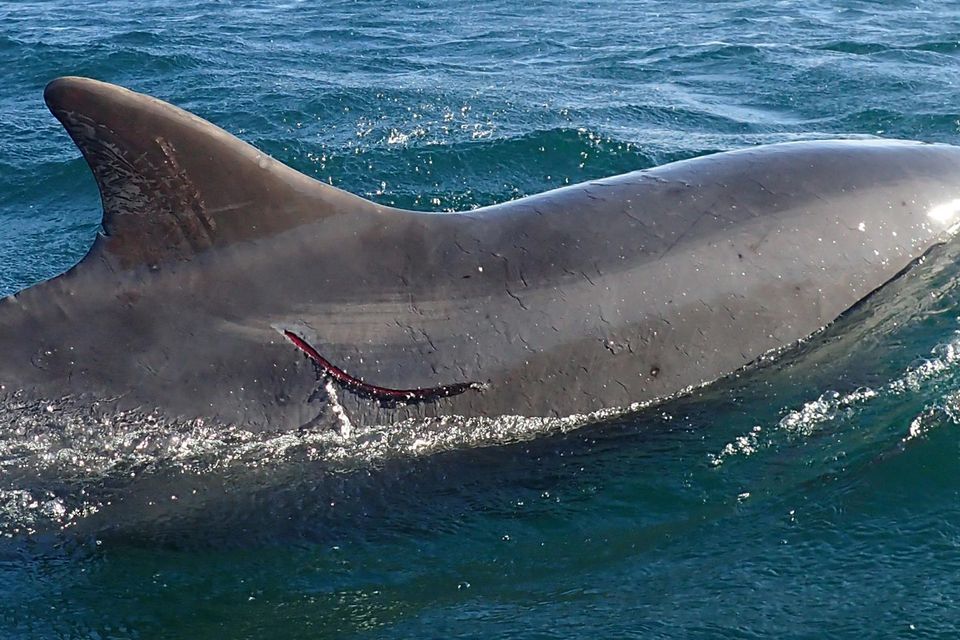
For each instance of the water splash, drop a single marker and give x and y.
(56, 456)
(832, 406)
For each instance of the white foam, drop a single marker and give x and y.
(832, 405)
(47, 442)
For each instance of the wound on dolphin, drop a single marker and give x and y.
(380, 393)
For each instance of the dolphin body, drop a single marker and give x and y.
(229, 287)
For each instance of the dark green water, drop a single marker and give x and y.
(817, 496)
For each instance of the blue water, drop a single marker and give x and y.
(817, 496)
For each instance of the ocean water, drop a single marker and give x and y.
(817, 495)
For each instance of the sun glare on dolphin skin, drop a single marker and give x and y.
(947, 215)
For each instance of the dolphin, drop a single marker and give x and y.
(228, 287)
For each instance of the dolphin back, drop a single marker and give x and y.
(228, 286)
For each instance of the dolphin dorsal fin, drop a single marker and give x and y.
(174, 185)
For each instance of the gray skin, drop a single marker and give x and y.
(611, 292)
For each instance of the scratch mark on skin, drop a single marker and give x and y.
(429, 340)
(685, 232)
(635, 218)
(506, 275)
(760, 184)
(517, 298)
(600, 313)
(374, 391)
(525, 343)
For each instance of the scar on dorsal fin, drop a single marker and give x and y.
(173, 185)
